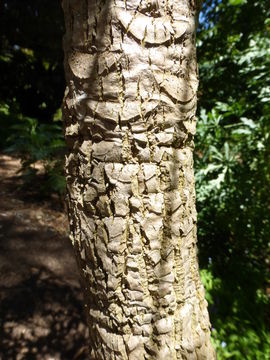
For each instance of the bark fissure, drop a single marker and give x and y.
(129, 113)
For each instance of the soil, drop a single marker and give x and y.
(41, 306)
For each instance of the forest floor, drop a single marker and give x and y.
(41, 311)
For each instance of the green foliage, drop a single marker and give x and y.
(32, 87)
(237, 2)
(40, 146)
(239, 335)
(233, 175)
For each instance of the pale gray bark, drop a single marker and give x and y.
(129, 112)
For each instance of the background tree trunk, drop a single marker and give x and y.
(129, 112)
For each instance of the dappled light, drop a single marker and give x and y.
(42, 312)
(41, 307)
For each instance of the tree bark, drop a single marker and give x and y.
(129, 112)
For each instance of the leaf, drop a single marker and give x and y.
(237, 2)
(211, 167)
(241, 131)
(248, 122)
(216, 183)
(57, 115)
(222, 106)
(227, 150)
(215, 153)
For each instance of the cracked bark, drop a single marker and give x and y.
(129, 113)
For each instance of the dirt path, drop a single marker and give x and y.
(40, 299)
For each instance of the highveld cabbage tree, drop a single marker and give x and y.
(129, 112)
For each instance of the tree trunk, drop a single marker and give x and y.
(129, 113)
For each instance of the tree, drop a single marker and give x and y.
(129, 112)
(232, 174)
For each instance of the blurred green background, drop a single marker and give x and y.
(232, 155)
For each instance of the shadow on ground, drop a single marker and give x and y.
(41, 308)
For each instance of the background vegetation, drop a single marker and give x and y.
(231, 158)
(233, 174)
(32, 87)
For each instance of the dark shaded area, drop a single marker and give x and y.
(32, 87)
(41, 318)
(31, 56)
(41, 308)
